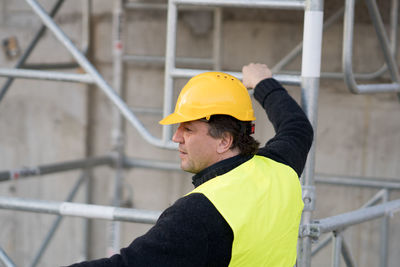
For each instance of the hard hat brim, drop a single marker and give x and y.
(174, 118)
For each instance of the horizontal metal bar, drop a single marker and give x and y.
(160, 60)
(340, 75)
(187, 73)
(379, 88)
(358, 216)
(158, 6)
(358, 181)
(278, 4)
(375, 199)
(151, 164)
(151, 6)
(57, 167)
(287, 79)
(150, 111)
(46, 75)
(80, 210)
(53, 66)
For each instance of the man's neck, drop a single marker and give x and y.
(219, 168)
(228, 154)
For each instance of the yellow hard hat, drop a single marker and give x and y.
(212, 93)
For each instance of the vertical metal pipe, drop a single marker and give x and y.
(170, 52)
(118, 124)
(347, 57)
(337, 248)
(217, 48)
(87, 10)
(383, 39)
(310, 92)
(394, 18)
(384, 234)
(310, 73)
(86, 222)
(30, 48)
(394, 25)
(5, 259)
(57, 221)
(348, 34)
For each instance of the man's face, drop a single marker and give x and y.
(197, 149)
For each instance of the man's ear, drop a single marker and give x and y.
(225, 143)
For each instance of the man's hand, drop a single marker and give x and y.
(255, 73)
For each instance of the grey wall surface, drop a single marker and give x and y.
(46, 122)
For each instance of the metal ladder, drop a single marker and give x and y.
(309, 79)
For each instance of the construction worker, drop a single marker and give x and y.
(246, 206)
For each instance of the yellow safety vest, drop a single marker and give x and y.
(261, 201)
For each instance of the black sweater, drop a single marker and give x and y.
(192, 232)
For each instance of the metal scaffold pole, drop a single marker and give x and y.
(217, 44)
(118, 131)
(310, 73)
(79, 210)
(170, 51)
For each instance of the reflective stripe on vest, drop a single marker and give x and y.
(261, 201)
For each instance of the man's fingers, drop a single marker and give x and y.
(253, 73)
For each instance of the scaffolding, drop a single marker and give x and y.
(308, 80)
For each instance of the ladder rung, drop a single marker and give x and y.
(279, 4)
(160, 60)
(188, 73)
(150, 6)
(157, 6)
(46, 75)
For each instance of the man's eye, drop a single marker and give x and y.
(187, 129)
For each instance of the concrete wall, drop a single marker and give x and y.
(45, 122)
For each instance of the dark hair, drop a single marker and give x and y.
(240, 131)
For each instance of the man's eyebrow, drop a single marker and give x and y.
(186, 124)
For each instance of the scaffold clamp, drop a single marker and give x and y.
(310, 230)
(309, 197)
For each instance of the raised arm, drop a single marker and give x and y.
(294, 133)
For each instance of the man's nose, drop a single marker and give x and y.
(177, 137)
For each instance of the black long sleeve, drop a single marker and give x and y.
(294, 133)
